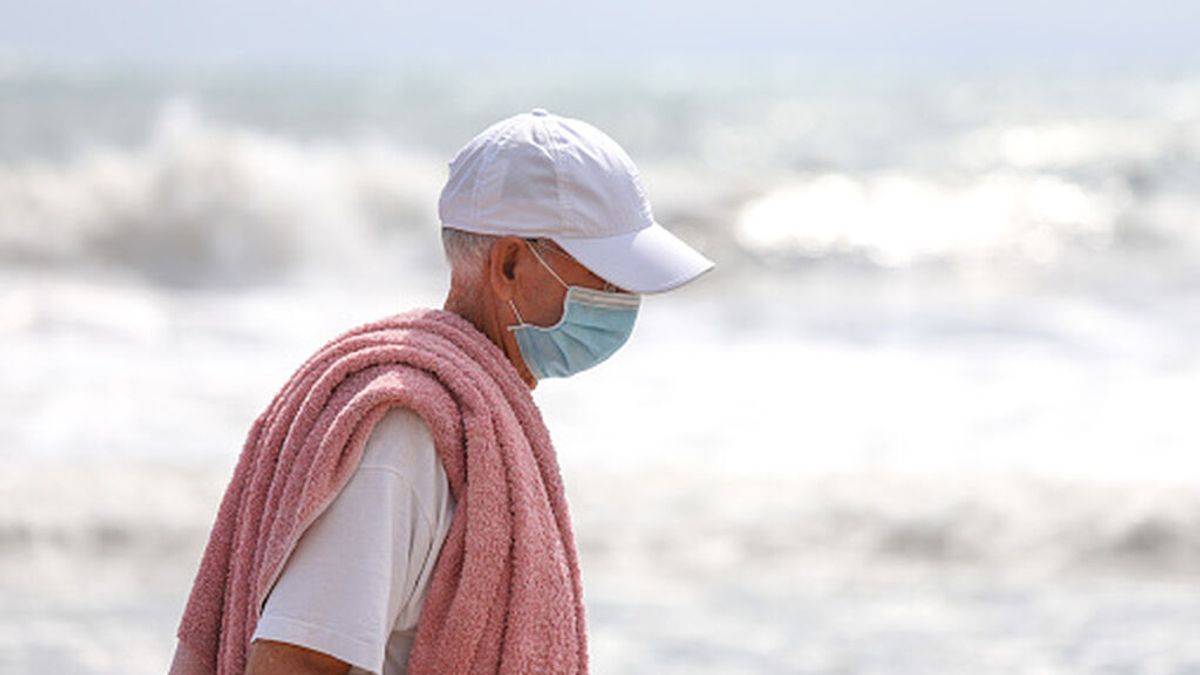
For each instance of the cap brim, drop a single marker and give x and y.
(651, 260)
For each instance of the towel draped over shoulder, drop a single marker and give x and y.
(505, 596)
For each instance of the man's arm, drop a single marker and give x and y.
(268, 657)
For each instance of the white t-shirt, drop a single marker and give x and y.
(354, 585)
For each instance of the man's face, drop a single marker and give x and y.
(539, 298)
(524, 289)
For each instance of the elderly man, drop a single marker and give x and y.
(398, 507)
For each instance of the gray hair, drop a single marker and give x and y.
(466, 252)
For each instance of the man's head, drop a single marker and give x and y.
(537, 204)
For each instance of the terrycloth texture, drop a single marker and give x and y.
(505, 595)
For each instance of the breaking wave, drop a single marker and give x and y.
(1022, 524)
(202, 203)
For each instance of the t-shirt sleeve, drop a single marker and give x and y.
(357, 566)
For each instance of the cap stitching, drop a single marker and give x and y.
(492, 147)
(560, 179)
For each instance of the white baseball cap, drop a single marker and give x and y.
(538, 175)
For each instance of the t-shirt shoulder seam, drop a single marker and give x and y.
(425, 510)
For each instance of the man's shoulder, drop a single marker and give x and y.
(401, 442)
(399, 420)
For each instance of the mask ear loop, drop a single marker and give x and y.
(549, 269)
(542, 260)
(512, 305)
(514, 309)
(608, 287)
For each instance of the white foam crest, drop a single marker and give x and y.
(896, 219)
(1012, 523)
(205, 203)
(1068, 143)
(688, 515)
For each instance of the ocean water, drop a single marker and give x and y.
(932, 413)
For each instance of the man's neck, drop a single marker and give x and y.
(486, 322)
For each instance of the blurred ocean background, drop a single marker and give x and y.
(934, 411)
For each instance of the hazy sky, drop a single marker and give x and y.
(1155, 33)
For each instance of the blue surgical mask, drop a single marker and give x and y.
(593, 327)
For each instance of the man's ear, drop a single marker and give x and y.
(502, 270)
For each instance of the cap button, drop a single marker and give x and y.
(539, 112)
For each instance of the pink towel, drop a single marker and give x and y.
(505, 596)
